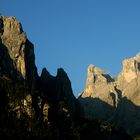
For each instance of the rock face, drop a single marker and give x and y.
(28, 101)
(128, 82)
(42, 106)
(129, 79)
(114, 100)
(17, 53)
(99, 86)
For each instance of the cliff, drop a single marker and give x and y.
(114, 100)
(29, 101)
(43, 107)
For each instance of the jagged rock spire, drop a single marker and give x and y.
(131, 68)
(96, 77)
(19, 52)
(129, 79)
(110, 99)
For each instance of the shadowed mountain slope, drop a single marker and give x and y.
(43, 107)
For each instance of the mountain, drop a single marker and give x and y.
(114, 100)
(17, 52)
(28, 100)
(43, 107)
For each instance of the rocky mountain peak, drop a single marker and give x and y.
(41, 106)
(131, 68)
(18, 54)
(99, 86)
(61, 73)
(26, 95)
(96, 78)
(11, 26)
(114, 98)
(129, 79)
(95, 74)
(45, 75)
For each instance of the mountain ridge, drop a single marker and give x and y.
(117, 93)
(40, 106)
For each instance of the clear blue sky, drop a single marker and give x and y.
(75, 33)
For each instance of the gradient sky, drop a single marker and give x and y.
(75, 33)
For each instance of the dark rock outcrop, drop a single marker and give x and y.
(27, 96)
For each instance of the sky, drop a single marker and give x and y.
(75, 33)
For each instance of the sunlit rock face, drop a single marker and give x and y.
(99, 86)
(114, 100)
(129, 79)
(98, 82)
(17, 55)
